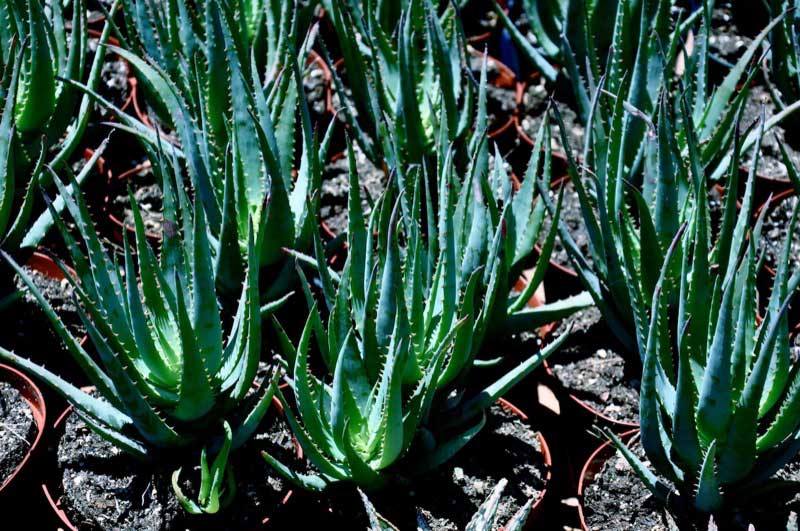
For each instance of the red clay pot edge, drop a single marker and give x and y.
(33, 396)
(617, 424)
(536, 508)
(592, 466)
(506, 79)
(55, 503)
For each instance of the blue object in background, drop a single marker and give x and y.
(508, 52)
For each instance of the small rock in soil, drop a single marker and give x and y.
(17, 429)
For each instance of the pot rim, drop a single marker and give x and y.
(536, 508)
(592, 466)
(33, 396)
(620, 424)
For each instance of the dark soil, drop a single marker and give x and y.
(590, 366)
(506, 448)
(770, 163)
(31, 333)
(534, 104)
(335, 188)
(501, 101)
(726, 42)
(774, 233)
(573, 218)
(148, 196)
(479, 18)
(17, 429)
(617, 500)
(106, 489)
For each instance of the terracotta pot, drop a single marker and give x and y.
(315, 58)
(53, 492)
(536, 508)
(33, 396)
(586, 409)
(45, 265)
(593, 467)
(506, 79)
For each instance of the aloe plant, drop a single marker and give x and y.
(167, 374)
(185, 40)
(404, 63)
(236, 135)
(785, 51)
(485, 519)
(719, 398)
(43, 118)
(646, 56)
(407, 321)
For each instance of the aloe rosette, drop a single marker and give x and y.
(237, 135)
(408, 314)
(719, 396)
(166, 373)
(405, 64)
(42, 118)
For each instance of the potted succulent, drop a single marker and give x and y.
(403, 324)
(168, 380)
(22, 422)
(405, 62)
(717, 407)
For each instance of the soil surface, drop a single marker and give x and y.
(113, 84)
(506, 448)
(726, 43)
(448, 497)
(148, 196)
(617, 500)
(17, 429)
(774, 233)
(590, 366)
(573, 218)
(335, 188)
(104, 488)
(534, 105)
